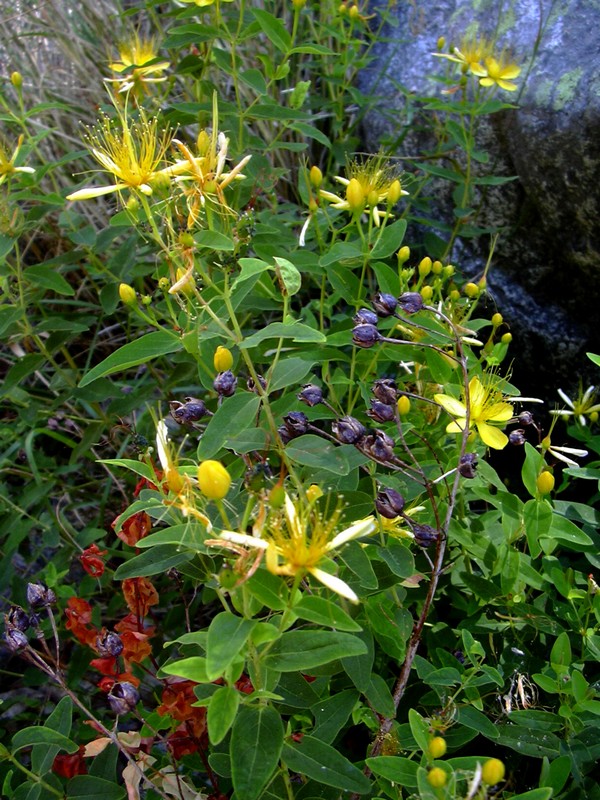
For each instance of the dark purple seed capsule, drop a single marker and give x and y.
(525, 418)
(379, 446)
(109, 644)
(348, 430)
(225, 383)
(15, 639)
(410, 302)
(39, 595)
(381, 412)
(17, 618)
(284, 434)
(389, 503)
(364, 316)
(365, 335)
(190, 411)
(467, 465)
(123, 697)
(386, 391)
(384, 304)
(311, 394)
(250, 383)
(296, 422)
(517, 437)
(425, 535)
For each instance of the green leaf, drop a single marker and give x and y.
(256, 744)
(332, 713)
(279, 330)
(270, 590)
(531, 468)
(324, 612)
(557, 773)
(379, 696)
(402, 771)
(322, 763)
(289, 275)
(527, 742)
(250, 267)
(390, 240)
(560, 655)
(537, 515)
(214, 240)
(60, 720)
(302, 650)
(312, 451)
(236, 413)
(594, 358)
(141, 469)
(154, 561)
(273, 29)
(568, 533)
(472, 718)
(419, 729)
(534, 794)
(399, 559)
(36, 734)
(49, 278)
(359, 667)
(92, 787)
(188, 534)
(222, 708)
(289, 372)
(192, 669)
(227, 634)
(140, 351)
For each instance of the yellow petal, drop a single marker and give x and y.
(492, 437)
(457, 426)
(335, 584)
(95, 191)
(499, 412)
(450, 404)
(355, 531)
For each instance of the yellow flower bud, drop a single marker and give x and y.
(146, 300)
(127, 294)
(132, 204)
(425, 266)
(342, 9)
(277, 496)
(355, 195)
(497, 319)
(427, 293)
(437, 747)
(373, 197)
(594, 416)
(437, 267)
(403, 405)
(164, 284)
(471, 289)
(545, 484)
(313, 493)
(437, 777)
(441, 43)
(394, 192)
(546, 443)
(316, 176)
(203, 143)
(403, 254)
(186, 240)
(213, 479)
(223, 360)
(160, 182)
(482, 283)
(312, 205)
(506, 338)
(454, 295)
(353, 12)
(174, 480)
(17, 80)
(298, 4)
(493, 771)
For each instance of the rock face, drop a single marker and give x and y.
(545, 276)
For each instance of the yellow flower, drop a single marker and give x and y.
(298, 539)
(7, 163)
(470, 54)
(175, 481)
(138, 60)
(487, 405)
(131, 152)
(368, 183)
(203, 177)
(499, 71)
(213, 479)
(204, 3)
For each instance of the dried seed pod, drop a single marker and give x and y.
(381, 412)
(39, 595)
(251, 384)
(517, 437)
(348, 430)
(410, 302)
(17, 618)
(123, 697)
(425, 535)
(109, 644)
(311, 394)
(225, 383)
(296, 423)
(525, 418)
(389, 503)
(365, 335)
(385, 390)
(467, 465)
(15, 639)
(191, 410)
(384, 304)
(364, 316)
(379, 446)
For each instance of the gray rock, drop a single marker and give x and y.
(546, 265)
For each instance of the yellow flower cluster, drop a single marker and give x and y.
(475, 55)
